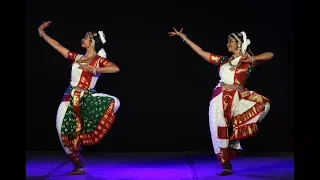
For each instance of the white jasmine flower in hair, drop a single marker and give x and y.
(102, 37)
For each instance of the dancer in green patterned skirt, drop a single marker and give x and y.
(84, 116)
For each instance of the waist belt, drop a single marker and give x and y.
(79, 89)
(232, 86)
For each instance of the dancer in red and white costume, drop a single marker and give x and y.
(84, 116)
(232, 105)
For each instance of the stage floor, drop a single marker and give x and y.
(159, 166)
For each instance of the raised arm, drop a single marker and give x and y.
(214, 59)
(55, 44)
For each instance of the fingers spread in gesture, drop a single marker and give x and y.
(172, 33)
(175, 32)
(43, 26)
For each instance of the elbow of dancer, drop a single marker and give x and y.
(270, 55)
(108, 69)
(115, 68)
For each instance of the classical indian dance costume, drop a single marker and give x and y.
(234, 111)
(84, 116)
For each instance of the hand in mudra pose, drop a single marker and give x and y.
(179, 33)
(43, 26)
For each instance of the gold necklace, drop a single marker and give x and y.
(87, 61)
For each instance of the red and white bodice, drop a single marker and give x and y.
(231, 74)
(84, 79)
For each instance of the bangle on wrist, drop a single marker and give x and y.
(40, 33)
(184, 38)
(94, 72)
(252, 59)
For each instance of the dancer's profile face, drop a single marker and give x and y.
(232, 45)
(85, 42)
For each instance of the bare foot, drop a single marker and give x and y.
(225, 172)
(77, 171)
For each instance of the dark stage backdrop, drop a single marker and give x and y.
(164, 87)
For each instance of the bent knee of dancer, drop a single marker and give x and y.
(267, 107)
(116, 104)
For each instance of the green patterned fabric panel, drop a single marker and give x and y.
(92, 109)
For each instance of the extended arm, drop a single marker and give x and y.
(214, 59)
(53, 43)
(264, 56)
(258, 59)
(205, 55)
